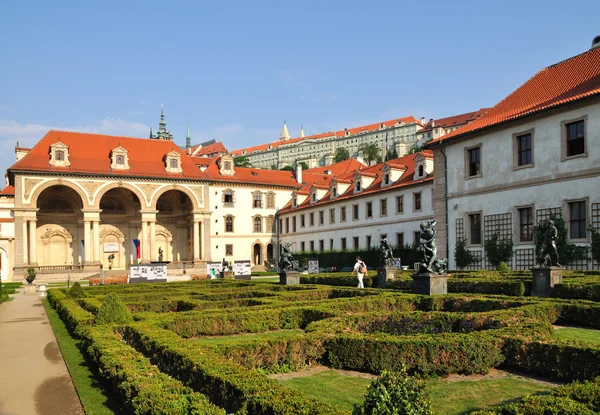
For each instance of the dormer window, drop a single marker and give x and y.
(59, 155)
(357, 186)
(386, 179)
(334, 192)
(313, 197)
(226, 166)
(119, 159)
(173, 162)
(294, 202)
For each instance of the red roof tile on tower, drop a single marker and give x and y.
(567, 81)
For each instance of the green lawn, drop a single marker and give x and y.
(572, 333)
(95, 398)
(248, 337)
(448, 398)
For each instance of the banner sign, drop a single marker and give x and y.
(313, 266)
(111, 247)
(218, 266)
(148, 273)
(242, 269)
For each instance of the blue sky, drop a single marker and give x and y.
(235, 70)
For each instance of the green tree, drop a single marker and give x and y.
(76, 291)
(242, 161)
(287, 168)
(304, 165)
(370, 152)
(341, 154)
(392, 154)
(415, 148)
(113, 310)
(567, 252)
(595, 245)
(498, 249)
(394, 393)
(462, 256)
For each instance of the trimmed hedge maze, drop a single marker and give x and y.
(206, 347)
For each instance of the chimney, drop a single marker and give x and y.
(595, 42)
(299, 173)
(432, 122)
(422, 120)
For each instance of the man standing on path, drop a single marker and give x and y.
(361, 270)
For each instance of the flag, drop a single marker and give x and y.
(136, 248)
(82, 250)
(387, 145)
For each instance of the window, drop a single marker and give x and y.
(270, 201)
(343, 244)
(229, 224)
(526, 224)
(417, 237)
(354, 212)
(293, 224)
(357, 186)
(421, 170)
(524, 150)
(368, 241)
(321, 245)
(228, 250)
(383, 236)
(302, 246)
(474, 162)
(575, 138)
(334, 192)
(577, 219)
(331, 215)
(228, 198)
(331, 244)
(312, 245)
(281, 225)
(383, 207)
(355, 243)
(311, 219)
(59, 155)
(227, 165)
(120, 160)
(475, 227)
(399, 204)
(173, 163)
(386, 180)
(302, 221)
(343, 214)
(416, 201)
(400, 239)
(313, 197)
(321, 217)
(257, 200)
(258, 224)
(369, 209)
(287, 225)
(270, 223)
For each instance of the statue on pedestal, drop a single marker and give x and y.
(285, 263)
(160, 254)
(549, 255)
(386, 254)
(429, 263)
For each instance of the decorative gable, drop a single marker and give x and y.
(226, 167)
(391, 174)
(59, 155)
(173, 162)
(119, 159)
(338, 187)
(362, 180)
(423, 166)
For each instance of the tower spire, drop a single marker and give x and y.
(162, 133)
(285, 135)
(301, 131)
(188, 138)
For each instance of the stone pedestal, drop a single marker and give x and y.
(430, 284)
(30, 289)
(227, 275)
(289, 278)
(544, 279)
(385, 274)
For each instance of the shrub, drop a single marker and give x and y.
(113, 311)
(462, 256)
(395, 394)
(76, 291)
(498, 250)
(502, 267)
(595, 248)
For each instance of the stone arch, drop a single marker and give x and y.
(55, 245)
(100, 192)
(4, 264)
(257, 250)
(159, 192)
(164, 241)
(110, 234)
(37, 190)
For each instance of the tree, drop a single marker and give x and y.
(304, 165)
(415, 148)
(341, 154)
(498, 250)
(567, 252)
(595, 245)
(370, 152)
(462, 256)
(113, 310)
(242, 161)
(287, 168)
(394, 393)
(392, 154)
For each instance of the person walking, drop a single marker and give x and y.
(361, 270)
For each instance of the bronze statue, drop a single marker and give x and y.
(160, 254)
(285, 263)
(429, 263)
(549, 255)
(386, 254)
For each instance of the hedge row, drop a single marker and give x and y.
(74, 317)
(579, 291)
(142, 388)
(227, 384)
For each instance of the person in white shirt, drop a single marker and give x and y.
(361, 270)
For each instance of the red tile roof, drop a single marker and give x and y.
(216, 148)
(337, 169)
(407, 161)
(567, 81)
(341, 133)
(90, 154)
(454, 121)
(8, 191)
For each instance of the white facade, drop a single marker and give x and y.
(7, 237)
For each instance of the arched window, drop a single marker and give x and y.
(229, 224)
(334, 192)
(258, 224)
(270, 200)
(257, 200)
(358, 186)
(420, 170)
(59, 155)
(386, 179)
(270, 224)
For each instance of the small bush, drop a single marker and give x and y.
(76, 291)
(113, 311)
(395, 394)
(502, 267)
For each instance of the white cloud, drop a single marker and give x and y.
(27, 135)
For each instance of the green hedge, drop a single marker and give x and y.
(580, 291)
(75, 318)
(341, 259)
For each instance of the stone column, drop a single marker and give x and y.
(153, 253)
(144, 242)
(33, 242)
(97, 258)
(87, 242)
(25, 243)
(196, 233)
(206, 248)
